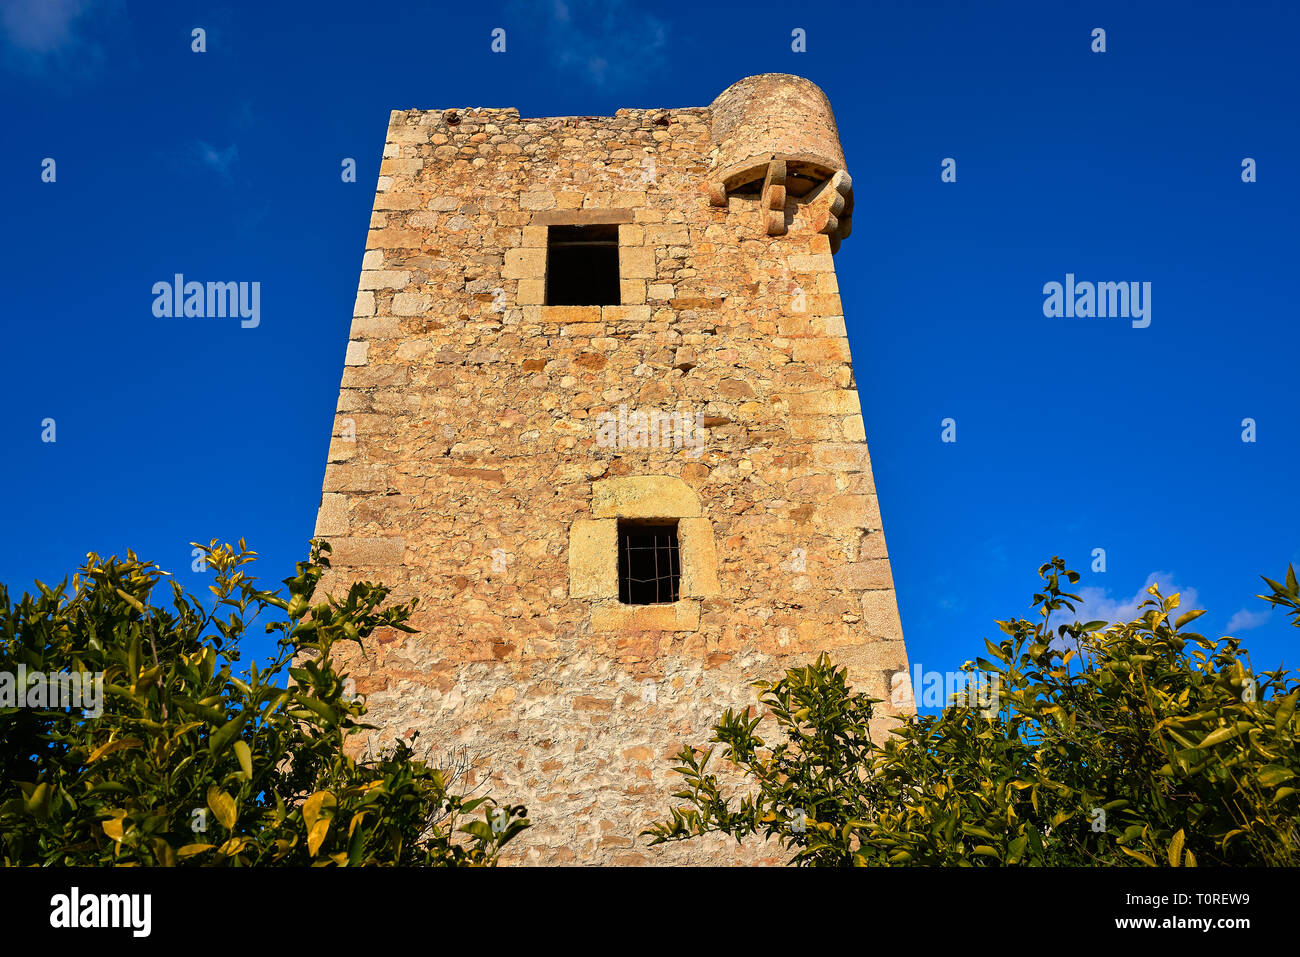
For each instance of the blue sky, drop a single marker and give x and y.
(1072, 434)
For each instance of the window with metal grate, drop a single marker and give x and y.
(649, 563)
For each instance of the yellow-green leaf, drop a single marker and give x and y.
(314, 805)
(1285, 708)
(36, 800)
(1176, 848)
(223, 806)
(111, 746)
(1218, 737)
(1275, 774)
(316, 835)
(357, 819)
(1139, 855)
(1016, 849)
(232, 846)
(245, 756)
(130, 600)
(227, 733)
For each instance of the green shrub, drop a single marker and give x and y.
(192, 763)
(1133, 743)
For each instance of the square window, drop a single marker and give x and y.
(582, 266)
(649, 563)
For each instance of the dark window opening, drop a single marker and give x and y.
(582, 266)
(649, 563)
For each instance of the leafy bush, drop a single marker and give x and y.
(1133, 743)
(191, 763)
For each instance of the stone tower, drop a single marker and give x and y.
(598, 413)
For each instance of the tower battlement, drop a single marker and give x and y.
(598, 413)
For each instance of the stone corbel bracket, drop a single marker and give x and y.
(831, 209)
(830, 205)
(773, 204)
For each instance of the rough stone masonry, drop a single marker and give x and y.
(465, 467)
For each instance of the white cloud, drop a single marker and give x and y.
(64, 42)
(40, 26)
(1246, 619)
(604, 40)
(219, 160)
(1098, 605)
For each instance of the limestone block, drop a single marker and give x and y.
(644, 496)
(332, 519)
(699, 558)
(677, 616)
(872, 573)
(384, 279)
(593, 558)
(383, 327)
(829, 402)
(537, 200)
(410, 304)
(532, 292)
(524, 264)
(367, 551)
(636, 262)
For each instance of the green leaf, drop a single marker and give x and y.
(245, 756)
(318, 707)
(1176, 849)
(227, 733)
(1274, 774)
(130, 600)
(1138, 855)
(118, 745)
(1218, 737)
(996, 651)
(315, 806)
(1285, 709)
(316, 834)
(208, 714)
(479, 829)
(223, 806)
(1016, 849)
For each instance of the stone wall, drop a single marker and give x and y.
(467, 466)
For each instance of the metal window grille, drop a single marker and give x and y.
(649, 564)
